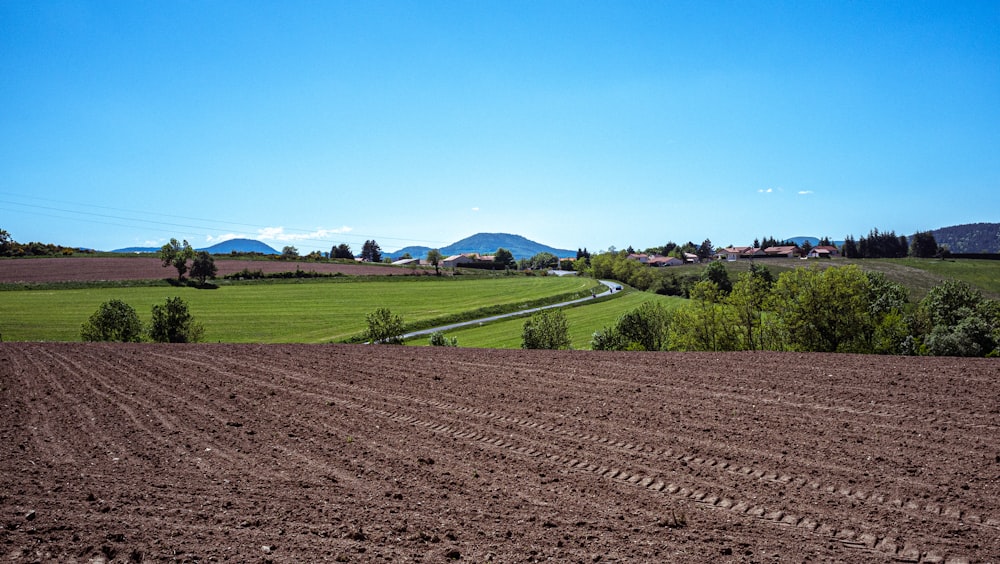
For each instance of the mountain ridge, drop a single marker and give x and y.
(223, 248)
(487, 244)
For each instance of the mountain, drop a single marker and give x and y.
(223, 248)
(240, 246)
(487, 244)
(970, 237)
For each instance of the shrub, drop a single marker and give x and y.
(115, 320)
(172, 323)
(439, 340)
(384, 327)
(546, 330)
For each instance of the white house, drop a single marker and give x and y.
(456, 260)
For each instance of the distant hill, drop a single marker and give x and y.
(223, 248)
(240, 246)
(970, 237)
(487, 244)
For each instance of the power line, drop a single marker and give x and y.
(144, 222)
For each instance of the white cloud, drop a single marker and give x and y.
(278, 234)
(805, 192)
(226, 237)
(765, 190)
(475, 209)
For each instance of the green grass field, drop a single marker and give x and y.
(583, 320)
(918, 275)
(310, 311)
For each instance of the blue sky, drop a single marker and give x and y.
(573, 123)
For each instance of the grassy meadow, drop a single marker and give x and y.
(582, 320)
(333, 309)
(306, 311)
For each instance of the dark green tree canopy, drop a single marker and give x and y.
(177, 254)
(716, 272)
(923, 245)
(504, 258)
(173, 323)
(203, 267)
(371, 252)
(341, 251)
(115, 320)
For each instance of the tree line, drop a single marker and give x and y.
(840, 309)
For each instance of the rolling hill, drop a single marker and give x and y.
(487, 244)
(223, 248)
(970, 237)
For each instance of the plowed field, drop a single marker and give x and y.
(376, 453)
(84, 269)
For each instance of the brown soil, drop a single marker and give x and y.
(80, 269)
(308, 453)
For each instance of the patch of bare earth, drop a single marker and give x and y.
(371, 453)
(84, 269)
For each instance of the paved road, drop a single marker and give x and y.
(612, 288)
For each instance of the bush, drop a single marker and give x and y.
(439, 340)
(172, 323)
(115, 320)
(546, 330)
(384, 327)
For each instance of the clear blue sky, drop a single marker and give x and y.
(573, 123)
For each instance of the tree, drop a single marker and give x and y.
(177, 255)
(850, 248)
(544, 261)
(203, 267)
(705, 250)
(923, 245)
(717, 272)
(115, 320)
(371, 252)
(748, 298)
(173, 323)
(705, 323)
(961, 321)
(546, 329)
(342, 251)
(384, 327)
(504, 258)
(6, 243)
(434, 257)
(823, 310)
(644, 328)
(289, 253)
(806, 247)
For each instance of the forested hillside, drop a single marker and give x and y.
(970, 238)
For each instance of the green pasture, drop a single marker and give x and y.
(917, 275)
(307, 311)
(582, 319)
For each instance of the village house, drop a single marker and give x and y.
(664, 261)
(790, 251)
(733, 253)
(824, 251)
